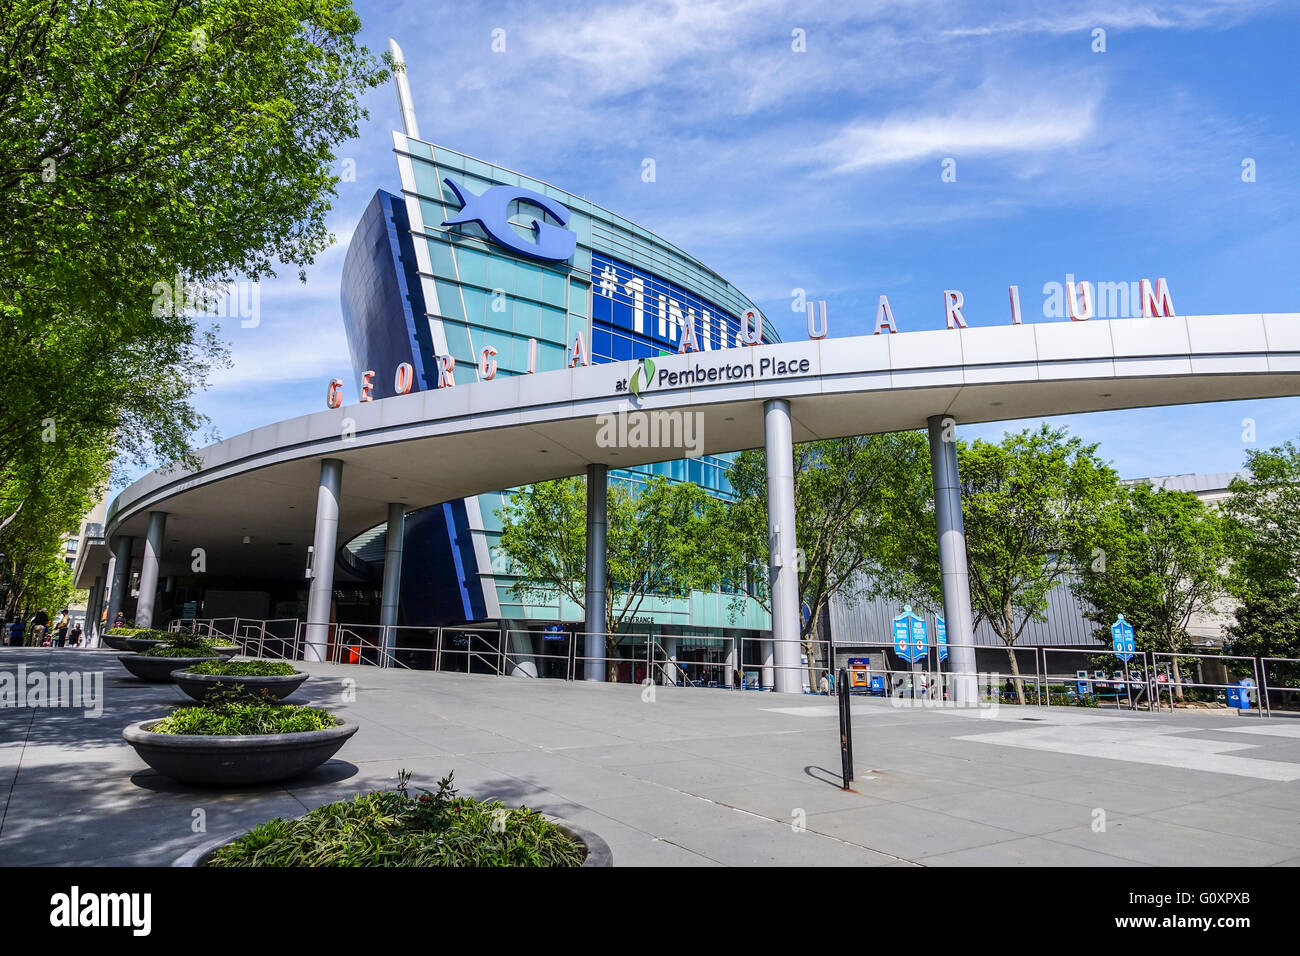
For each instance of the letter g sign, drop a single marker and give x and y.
(491, 210)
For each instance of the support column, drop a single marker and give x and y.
(671, 673)
(597, 499)
(766, 674)
(324, 544)
(783, 570)
(121, 576)
(93, 604)
(954, 576)
(394, 538)
(153, 548)
(733, 662)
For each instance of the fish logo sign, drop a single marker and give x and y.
(491, 211)
(634, 383)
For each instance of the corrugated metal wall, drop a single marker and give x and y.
(871, 621)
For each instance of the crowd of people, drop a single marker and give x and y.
(39, 631)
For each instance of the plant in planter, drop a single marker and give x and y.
(233, 742)
(272, 680)
(395, 828)
(144, 638)
(156, 664)
(119, 638)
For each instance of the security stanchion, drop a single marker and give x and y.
(846, 727)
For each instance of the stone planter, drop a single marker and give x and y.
(116, 641)
(235, 761)
(200, 686)
(158, 670)
(227, 651)
(598, 851)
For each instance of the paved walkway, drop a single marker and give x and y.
(690, 777)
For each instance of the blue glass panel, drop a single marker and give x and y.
(449, 299)
(528, 318)
(602, 345)
(553, 291)
(578, 298)
(528, 281)
(476, 304)
(473, 265)
(501, 273)
(553, 323)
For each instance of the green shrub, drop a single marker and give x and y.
(391, 828)
(234, 718)
(170, 650)
(244, 668)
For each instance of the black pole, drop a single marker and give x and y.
(846, 727)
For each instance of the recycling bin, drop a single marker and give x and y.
(1239, 696)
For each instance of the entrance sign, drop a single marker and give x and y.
(909, 636)
(1121, 635)
(941, 636)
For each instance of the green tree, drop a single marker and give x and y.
(1165, 558)
(1030, 505)
(1266, 510)
(662, 539)
(859, 505)
(1266, 506)
(46, 493)
(153, 149)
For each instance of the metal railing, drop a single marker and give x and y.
(1267, 689)
(1174, 681)
(1130, 686)
(713, 660)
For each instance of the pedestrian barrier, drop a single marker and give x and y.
(714, 661)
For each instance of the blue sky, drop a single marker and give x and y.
(821, 170)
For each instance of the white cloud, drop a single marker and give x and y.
(991, 122)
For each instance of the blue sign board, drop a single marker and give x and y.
(910, 641)
(636, 314)
(941, 637)
(1121, 635)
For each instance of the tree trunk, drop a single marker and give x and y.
(1008, 635)
(809, 648)
(1015, 673)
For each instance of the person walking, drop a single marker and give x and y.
(40, 624)
(61, 629)
(74, 636)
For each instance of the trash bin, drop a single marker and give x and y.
(1239, 696)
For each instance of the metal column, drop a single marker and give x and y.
(153, 548)
(952, 558)
(324, 545)
(93, 606)
(783, 570)
(394, 537)
(121, 576)
(597, 500)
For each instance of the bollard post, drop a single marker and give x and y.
(846, 727)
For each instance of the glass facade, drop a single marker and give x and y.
(415, 289)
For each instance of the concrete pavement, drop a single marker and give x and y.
(687, 776)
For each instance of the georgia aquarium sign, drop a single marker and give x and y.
(491, 211)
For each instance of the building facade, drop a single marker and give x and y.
(428, 290)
